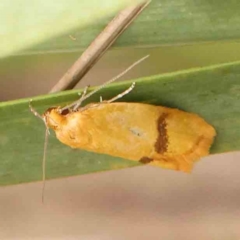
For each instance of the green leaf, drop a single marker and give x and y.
(163, 22)
(25, 23)
(212, 92)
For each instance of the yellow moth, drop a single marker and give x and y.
(155, 135)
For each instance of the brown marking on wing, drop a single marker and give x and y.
(145, 160)
(162, 139)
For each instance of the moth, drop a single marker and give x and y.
(155, 135)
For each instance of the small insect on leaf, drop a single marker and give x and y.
(155, 135)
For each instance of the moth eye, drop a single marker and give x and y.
(64, 112)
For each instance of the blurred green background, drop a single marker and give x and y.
(134, 203)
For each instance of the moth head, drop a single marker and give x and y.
(54, 117)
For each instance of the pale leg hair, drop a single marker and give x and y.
(120, 95)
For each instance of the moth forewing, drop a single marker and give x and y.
(155, 135)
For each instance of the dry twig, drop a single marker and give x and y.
(98, 47)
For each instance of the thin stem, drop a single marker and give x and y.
(98, 47)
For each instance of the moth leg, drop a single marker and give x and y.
(112, 99)
(33, 110)
(122, 94)
(79, 102)
(83, 93)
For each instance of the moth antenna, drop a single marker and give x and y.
(33, 110)
(44, 162)
(78, 102)
(47, 132)
(37, 114)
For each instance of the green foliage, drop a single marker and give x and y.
(211, 92)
